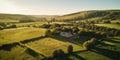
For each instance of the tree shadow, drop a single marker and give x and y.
(77, 56)
(32, 52)
(108, 53)
(116, 38)
(31, 40)
(8, 47)
(112, 40)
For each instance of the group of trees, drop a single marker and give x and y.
(92, 34)
(6, 26)
(87, 30)
(55, 30)
(58, 54)
(101, 29)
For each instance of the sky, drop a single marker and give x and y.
(55, 7)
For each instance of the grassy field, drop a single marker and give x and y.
(47, 46)
(116, 26)
(114, 21)
(107, 52)
(19, 34)
(39, 23)
(17, 53)
(7, 21)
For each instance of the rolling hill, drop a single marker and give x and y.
(18, 18)
(92, 14)
(83, 15)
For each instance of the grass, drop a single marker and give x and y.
(89, 55)
(116, 26)
(8, 20)
(47, 46)
(114, 21)
(17, 53)
(19, 34)
(103, 53)
(38, 23)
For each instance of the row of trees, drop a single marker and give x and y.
(60, 54)
(6, 26)
(94, 28)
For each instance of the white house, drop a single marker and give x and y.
(66, 34)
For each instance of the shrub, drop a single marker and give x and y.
(46, 25)
(70, 49)
(55, 25)
(48, 33)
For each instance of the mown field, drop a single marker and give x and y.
(47, 46)
(17, 53)
(20, 34)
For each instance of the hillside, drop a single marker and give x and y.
(45, 16)
(92, 14)
(83, 15)
(18, 18)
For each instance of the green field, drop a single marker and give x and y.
(38, 23)
(30, 37)
(102, 53)
(47, 46)
(17, 53)
(7, 20)
(116, 26)
(20, 34)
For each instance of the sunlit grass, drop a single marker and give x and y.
(116, 26)
(19, 34)
(47, 46)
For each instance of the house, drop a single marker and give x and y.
(66, 34)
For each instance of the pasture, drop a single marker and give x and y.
(116, 26)
(19, 34)
(47, 46)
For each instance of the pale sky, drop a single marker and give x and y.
(55, 7)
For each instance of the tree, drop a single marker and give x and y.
(70, 49)
(48, 33)
(55, 54)
(46, 25)
(13, 26)
(61, 53)
(75, 30)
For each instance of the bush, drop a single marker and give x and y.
(46, 25)
(107, 21)
(48, 33)
(55, 26)
(70, 49)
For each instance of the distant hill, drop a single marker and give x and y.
(18, 17)
(92, 14)
(83, 15)
(45, 16)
